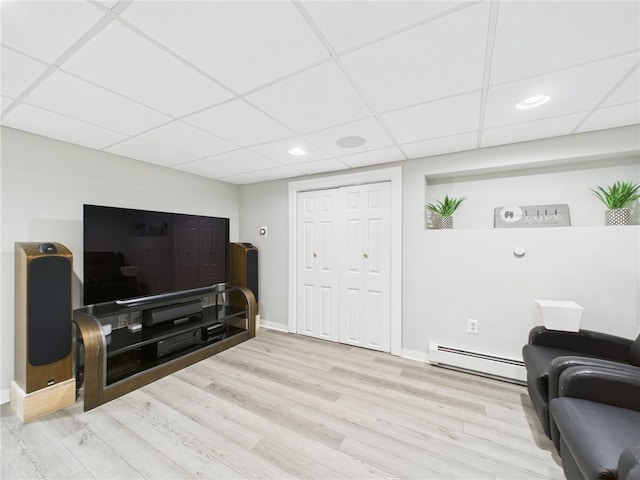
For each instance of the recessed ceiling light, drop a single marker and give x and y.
(532, 102)
(351, 142)
(296, 151)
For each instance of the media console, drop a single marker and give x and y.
(155, 337)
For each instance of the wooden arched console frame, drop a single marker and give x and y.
(89, 321)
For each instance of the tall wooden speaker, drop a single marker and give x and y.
(43, 330)
(243, 266)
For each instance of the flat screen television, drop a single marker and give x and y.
(131, 254)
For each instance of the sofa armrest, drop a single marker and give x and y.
(586, 342)
(603, 385)
(629, 463)
(560, 364)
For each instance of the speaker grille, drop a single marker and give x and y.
(49, 310)
(252, 271)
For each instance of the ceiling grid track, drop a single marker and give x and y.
(56, 64)
(631, 71)
(279, 89)
(345, 72)
(488, 60)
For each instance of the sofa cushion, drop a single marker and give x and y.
(595, 434)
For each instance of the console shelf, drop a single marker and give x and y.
(126, 360)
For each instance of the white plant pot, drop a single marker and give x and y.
(560, 314)
(616, 216)
(446, 222)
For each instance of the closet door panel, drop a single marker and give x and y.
(343, 257)
(317, 265)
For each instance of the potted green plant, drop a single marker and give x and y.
(617, 198)
(444, 209)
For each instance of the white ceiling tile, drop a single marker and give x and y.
(441, 58)
(419, 63)
(149, 152)
(628, 92)
(318, 98)
(321, 166)
(244, 161)
(348, 24)
(242, 179)
(440, 118)
(206, 167)
(278, 151)
(187, 139)
(18, 72)
(549, 127)
(79, 99)
(46, 29)
(438, 146)
(538, 37)
(367, 128)
(240, 123)
(278, 173)
(126, 63)
(6, 102)
(570, 91)
(242, 44)
(610, 117)
(373, 157)
(49, 124)
(109, 3)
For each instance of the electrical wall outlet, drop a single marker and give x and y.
(472, 326)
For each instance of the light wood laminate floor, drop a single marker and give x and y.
(286, 406)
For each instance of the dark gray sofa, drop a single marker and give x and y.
(544, 346)
(597, 413)
(558, 367)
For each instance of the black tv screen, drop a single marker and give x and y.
(132, 253)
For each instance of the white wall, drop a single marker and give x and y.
(266, 204)
(470, 272)
(462, 274)
(45, 182)
(563, 185)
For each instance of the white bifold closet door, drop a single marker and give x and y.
(343, 265)
(317, 260)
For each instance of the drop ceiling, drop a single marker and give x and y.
(224, 89)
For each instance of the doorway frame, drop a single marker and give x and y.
(392, 175)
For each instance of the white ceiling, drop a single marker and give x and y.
(223, 89)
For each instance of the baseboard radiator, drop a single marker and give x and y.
(501, 368)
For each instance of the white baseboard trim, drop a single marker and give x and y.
(280, 327)
(416, 355)
(5, 396)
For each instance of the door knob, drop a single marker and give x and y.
(314, 255)
(366, 255)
